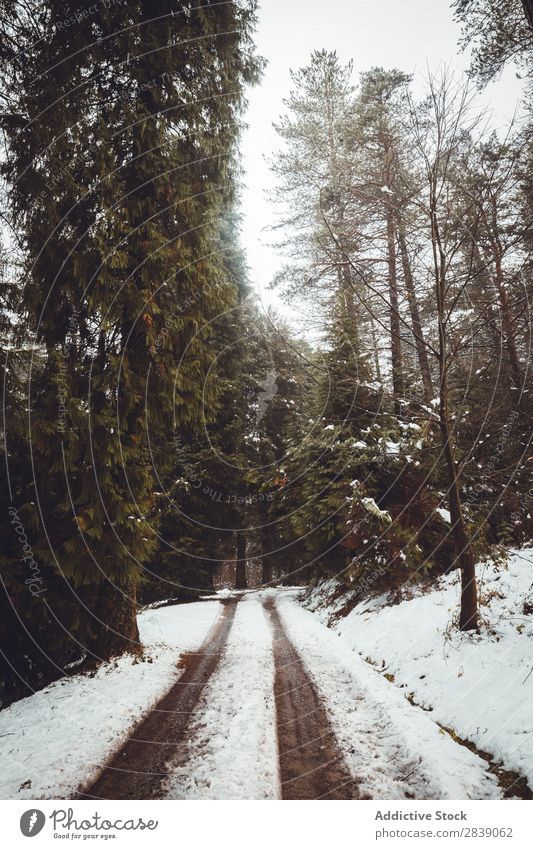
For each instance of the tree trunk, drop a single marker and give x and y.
(115, 619)
(266, 558)
(508, 335)
(468, 618)
(464, 557)
(240, 563)
(484, 289)
(528, 11)
(266, 575)
(375, 349)
(415, 317)
(395, 335)
(350, 308)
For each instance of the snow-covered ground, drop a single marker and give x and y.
(393, 750)
(56, 740)
(231, 750)
(481, 686)
(389, 676)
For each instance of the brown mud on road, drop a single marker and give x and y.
(137, 770)
(310, 762)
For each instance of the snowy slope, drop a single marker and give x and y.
(56, 739)
(232, 749)
(481, 686)
(393, 750)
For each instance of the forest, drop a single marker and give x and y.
(164, 437)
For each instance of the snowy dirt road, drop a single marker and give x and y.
(275, 706)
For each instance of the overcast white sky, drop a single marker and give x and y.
(406, 34)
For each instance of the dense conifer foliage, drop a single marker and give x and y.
(121, 174)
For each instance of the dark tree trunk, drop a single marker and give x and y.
(415, 317)
(479, 294)
(266, 557)
(509, 336)
(349, 304)
(114, 630)
(508, 331)
(468, 618)
(241, 582)
(266, 562)
(528, 11)
(266, 575)
(464, 557)
(375, 350)
(395, 335)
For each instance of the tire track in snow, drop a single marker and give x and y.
(138, 769)
(311, 764)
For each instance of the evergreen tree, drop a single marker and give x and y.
(499, 31)
(119, 157)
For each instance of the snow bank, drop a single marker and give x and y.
(57, 739)
(393, 750)
(481, 686)
(231, 751)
